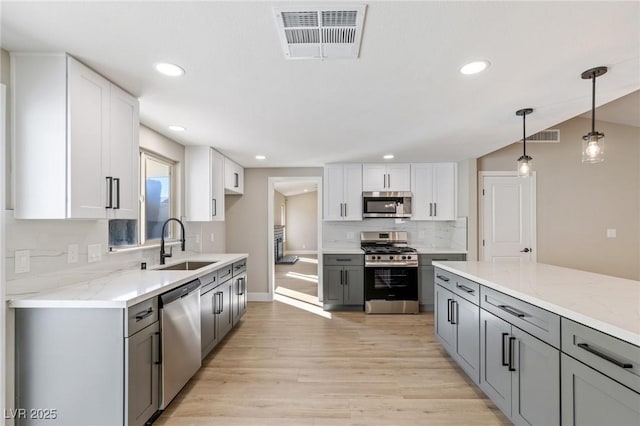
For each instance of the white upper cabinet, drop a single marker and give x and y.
(204, 184)
(233, 177)
(386, 177)
(75, 137)
(343, 192)
(434, 188)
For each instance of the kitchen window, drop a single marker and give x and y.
(157, 196)
(157, 204)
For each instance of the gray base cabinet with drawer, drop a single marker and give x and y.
(216, 310)
(425, 277)
(600, 378)
(520, 373)
(343, 285)
(456, 321)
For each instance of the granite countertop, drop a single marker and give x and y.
(605, 303)
(121, 289)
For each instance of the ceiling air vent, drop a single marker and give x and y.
(320, 32)
(545, 136)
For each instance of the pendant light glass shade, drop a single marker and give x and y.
(593, 142)
(593, 148)
(524, 162)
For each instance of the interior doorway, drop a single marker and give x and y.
(295, 238)
(507, 210)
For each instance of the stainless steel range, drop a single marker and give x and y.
(390, 273)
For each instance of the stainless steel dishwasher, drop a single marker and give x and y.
(180, 325)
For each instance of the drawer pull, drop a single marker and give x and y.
(342, 260)
(606, 357)
(512, 311)
(465, 288)
(449, 310)
(443, 278)
(142, 315)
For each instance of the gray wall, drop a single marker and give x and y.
(577, 203)
(302, 222)
(246, 220)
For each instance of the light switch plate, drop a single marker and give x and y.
(611, 233)
(72, 253)
(95, 252)
(22, 261)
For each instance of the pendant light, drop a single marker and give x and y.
(593, 142)
(524, 165)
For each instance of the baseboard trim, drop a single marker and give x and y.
(259, 297)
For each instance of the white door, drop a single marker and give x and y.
(508, 218)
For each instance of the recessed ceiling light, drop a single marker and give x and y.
(171, 70)
(474, 67)
(306, 190)
(388, 156)
(177, 128)
(260, 157)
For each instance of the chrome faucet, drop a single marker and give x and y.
(164, 255)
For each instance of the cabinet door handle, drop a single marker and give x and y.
(341, 277)
(449, 310)
(454, 312)
(109, 193)
(159, 351)
(214, 207)
(512, 340)
(214, 304)
(430, 209)
(346, 277)
(345, 209)
(465, 288)
(142, 315)
(443, 278)
(435, 209)
(388, 181)
(236, 180)
(117, 197)
(513, 311)
(504, 358)
(606, 357)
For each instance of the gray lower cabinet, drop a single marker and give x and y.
(456, 325)
(591, 398)
(216, 314)
(425, 277)
(143, 374)
(520, 373)
(343, 281)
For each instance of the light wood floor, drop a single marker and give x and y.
(285, 366)
(297, 277)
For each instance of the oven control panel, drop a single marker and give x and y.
(391, 259)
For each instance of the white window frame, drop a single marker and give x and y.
(173, 196)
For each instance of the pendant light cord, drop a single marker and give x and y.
(524, 136)
(593, 105)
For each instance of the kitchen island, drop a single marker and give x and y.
(549, 345)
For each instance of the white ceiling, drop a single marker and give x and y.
(404, 94)
(289, 187)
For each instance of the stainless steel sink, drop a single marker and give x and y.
(185, 266)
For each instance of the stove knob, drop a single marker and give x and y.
(409, 257)
(405, 257)
(390, 257)
(378, 257)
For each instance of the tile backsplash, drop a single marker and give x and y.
(436, 234)
(62, 252)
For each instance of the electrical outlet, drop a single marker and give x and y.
(211, 238)
(611, 233)
(72, 253)
(22, 261)
(95, 252)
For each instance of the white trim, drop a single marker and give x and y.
(270, 224)
(532, 213)
(4, 352)
(260, 297)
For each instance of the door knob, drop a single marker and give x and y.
(526, 250)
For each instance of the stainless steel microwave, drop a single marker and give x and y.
(386, 204)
